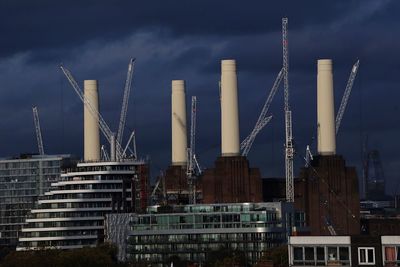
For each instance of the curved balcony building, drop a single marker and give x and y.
(71, 214)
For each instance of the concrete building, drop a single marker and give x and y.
(22, 181)
(193, 232)
(71, 214)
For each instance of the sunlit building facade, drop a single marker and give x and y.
(71, 214)
(191, 232)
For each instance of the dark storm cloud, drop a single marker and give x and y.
(41, 25)
(186, 40)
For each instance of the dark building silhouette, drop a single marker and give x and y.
(327, 192)
(274, 189)
(232, 180)
(176, 185)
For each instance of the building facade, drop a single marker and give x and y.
(191, 232)
(359, 250)
(71, 214)
(22, 181)
(327, 191)
(232, 180)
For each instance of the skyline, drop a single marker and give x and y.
(184, 45)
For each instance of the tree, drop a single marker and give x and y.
(104, 255)
(278, 256)
(226, 257)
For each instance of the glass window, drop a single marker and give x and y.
(390, 254)
(320, 254)
(370, 254)
(344, 253)
(298, 254)
(366, 256)
(309, 253)
(332, 253)
(398, 253)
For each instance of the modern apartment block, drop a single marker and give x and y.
(71, 214)
(191, 232)
(22, 180)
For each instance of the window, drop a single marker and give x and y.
(366, 256)
(392, 255)
(309, 253)
(332, 254)
(344, 253)
(298, 254)
(320, 254)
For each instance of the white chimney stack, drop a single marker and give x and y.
(230, 143)
(178, 118)
(91, 122)
(325, 108)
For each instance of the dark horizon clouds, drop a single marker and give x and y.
(186, 40)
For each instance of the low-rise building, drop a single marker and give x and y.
(359, 250)
(191, 232)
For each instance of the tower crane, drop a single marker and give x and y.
(125, 101)
(289, 148)
(346, 95)
(132, 138)
(263, 120)
(38, 130)
(103, 125)
(192, 161)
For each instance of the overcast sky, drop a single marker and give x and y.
(186, 40)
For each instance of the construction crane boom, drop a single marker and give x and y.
(132, 138)
(103, 125)
(192, 162)
(329, 226)
(289, 148)
(346, 95)
(104, 154)
(262, 120)
(308, 157)
(248, 142)
(125, 101)
(38, 130)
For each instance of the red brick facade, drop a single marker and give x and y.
(328, 191)
(230, 181)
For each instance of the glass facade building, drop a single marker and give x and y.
(191, 232)
(22, 181)
(71, 214)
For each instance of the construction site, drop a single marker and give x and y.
(189, 210)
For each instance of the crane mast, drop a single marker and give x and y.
(289, 149)
(263, 120)
(346, 95)
(192, 162)
(103, 125)
(38, 130)
(125, 101)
